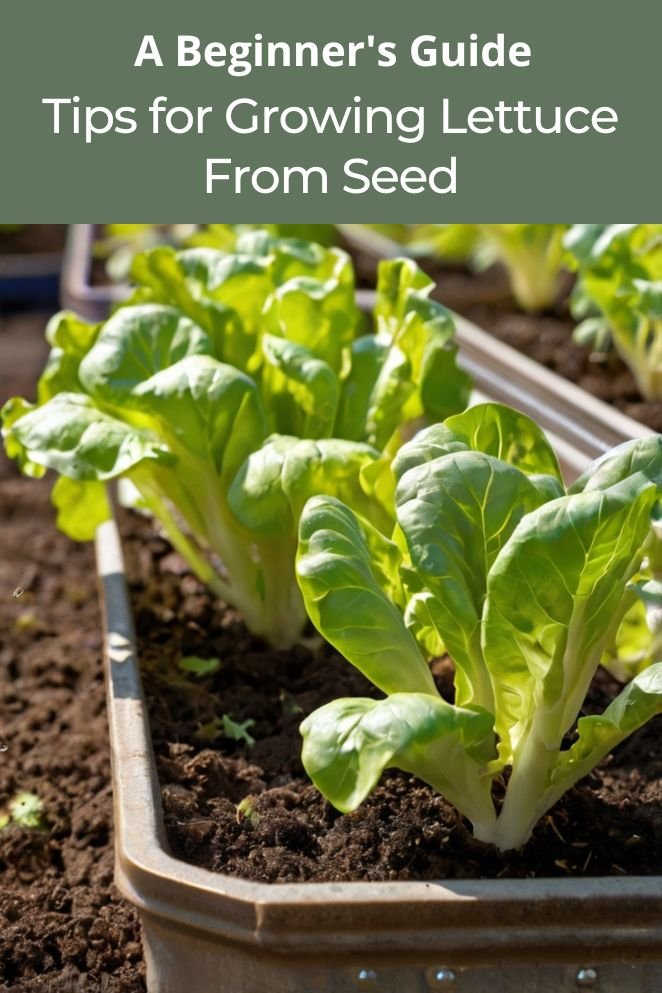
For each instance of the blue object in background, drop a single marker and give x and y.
(27, 279)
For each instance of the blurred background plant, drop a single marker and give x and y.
(618, 295)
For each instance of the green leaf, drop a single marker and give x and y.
(346, 590)
(456, 514)
(133, 345)
(350, 742)
(196, 666)
(60, 375)
(172, 278)
(597, 735)
(69, 434)
(632, 645)
(71, 339)
(237, 731)
(552, 593)
(642, 455)
(241, 283)
(426, 338)
(225, 727)
(318, 313)
(11, 413)
(81, 507)
(301, 391)
(422, 374)
(375, 391)
(271, 487)
(454, 242)
(637, 642)
(492, 428)
(292, 258)
(72, 334)
(396, 280)
(205, 408)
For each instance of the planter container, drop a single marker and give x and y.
(76, 290)
(209, 933)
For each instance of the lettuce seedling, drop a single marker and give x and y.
(620, 280)
(25, 810)
(230, 389)
(523, 584)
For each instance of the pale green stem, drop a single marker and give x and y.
(644, 361)
(261, 578)
(186, 548)
(524, 801)
(534, 282)
(283, 615)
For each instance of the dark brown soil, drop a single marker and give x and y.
(31, 239)
(284, 831)
(63, 927)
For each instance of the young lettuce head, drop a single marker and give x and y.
(523, 584)
(620, 279)
(532, 255)
(227, 391)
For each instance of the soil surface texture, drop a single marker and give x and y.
(31, 239)
(63, 926)
(249, 810)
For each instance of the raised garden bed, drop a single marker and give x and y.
(435, 895)
(465, 932)
(561, 934)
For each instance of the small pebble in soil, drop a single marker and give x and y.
(442, 979)
(586, 978)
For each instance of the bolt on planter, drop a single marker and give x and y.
(205, 932)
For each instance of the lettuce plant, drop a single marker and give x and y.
(120, 243)
(230, 389)
(620, 279)
(523, 584)
(533, 256)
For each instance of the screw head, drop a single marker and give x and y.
(366, 978)
(442, 978)
(586, 978)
